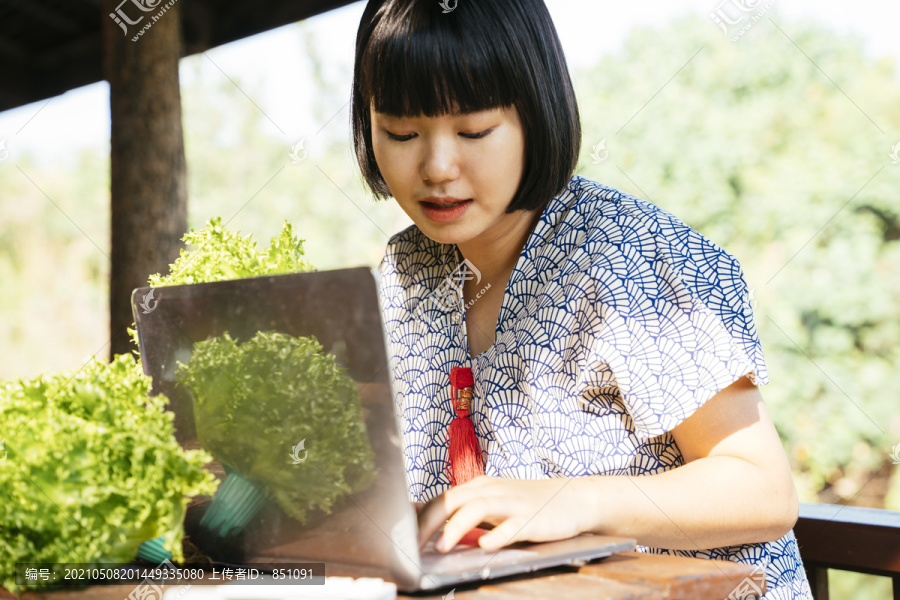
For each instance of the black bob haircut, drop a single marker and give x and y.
(414, 59)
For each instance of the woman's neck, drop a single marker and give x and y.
(496, 251)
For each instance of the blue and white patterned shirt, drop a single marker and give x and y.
(617, 323)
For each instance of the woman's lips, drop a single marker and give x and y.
(444, 212)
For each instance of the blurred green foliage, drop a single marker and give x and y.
(753, 145)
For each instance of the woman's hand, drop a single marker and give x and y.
(537, 510)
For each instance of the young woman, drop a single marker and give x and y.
(613, 351)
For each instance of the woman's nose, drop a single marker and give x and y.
(440, 161)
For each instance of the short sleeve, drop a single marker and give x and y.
(676, 325)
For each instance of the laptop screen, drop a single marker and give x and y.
(285, 381)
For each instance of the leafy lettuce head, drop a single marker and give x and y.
(90, 468)
(218, 254)
(284, 415)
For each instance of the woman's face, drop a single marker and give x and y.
(454, 175)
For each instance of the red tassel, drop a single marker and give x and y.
(464, 452)
(472, 537)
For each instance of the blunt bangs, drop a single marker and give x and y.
(423, 64)
(413, 59)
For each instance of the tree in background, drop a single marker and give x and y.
(755, 146)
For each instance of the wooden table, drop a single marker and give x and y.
(623, 576)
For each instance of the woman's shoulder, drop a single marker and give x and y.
(602, 204)
(615, 218)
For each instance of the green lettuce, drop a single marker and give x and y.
(256, 403)
(90, 468)
(219, 254)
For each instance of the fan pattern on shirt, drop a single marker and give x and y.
(617, 323)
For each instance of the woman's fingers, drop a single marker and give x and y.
(504, 534)
(465, 519)
(432, 517)
(435, 513)
(471, 538)
(515, 509)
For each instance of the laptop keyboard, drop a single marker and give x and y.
(469, 558)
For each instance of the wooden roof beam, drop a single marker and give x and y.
(48, 17)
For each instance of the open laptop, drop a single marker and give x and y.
(371, 533)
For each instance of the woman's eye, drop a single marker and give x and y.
(399, 138)
(471, 136)
(477, 136)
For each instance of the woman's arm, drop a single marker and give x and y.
(735, 487)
